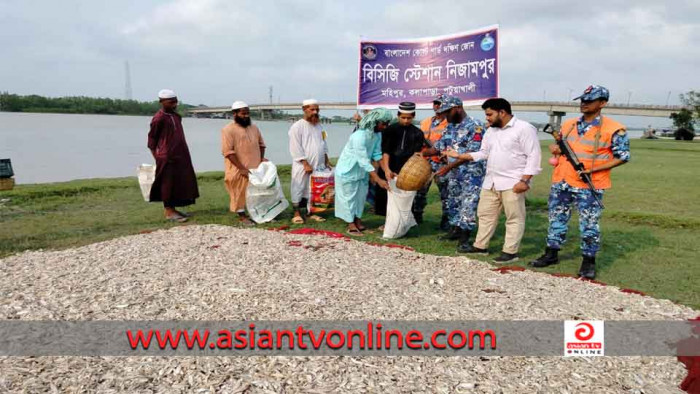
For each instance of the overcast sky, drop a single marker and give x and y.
(216, 51)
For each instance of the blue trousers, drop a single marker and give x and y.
(462, 201)
(561, 197)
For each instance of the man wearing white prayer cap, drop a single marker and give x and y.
(243, 148)
(307, 145)
(175, 182)
(308, 102)
(166, 94)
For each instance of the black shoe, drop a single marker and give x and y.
(444, 223)
(550, 256)
(587, 269)
(470, 249)
(418, 217)
(506, 258)
(464, 240)
(452, 235)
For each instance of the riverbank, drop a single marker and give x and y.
(650, 227)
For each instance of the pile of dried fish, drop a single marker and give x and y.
(224, 273)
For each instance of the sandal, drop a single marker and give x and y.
(183, 214)
(176, 218)
(317, 218)
(298, 220)
(246, 222)
(354, 232)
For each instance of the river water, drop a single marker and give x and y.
(61, 147)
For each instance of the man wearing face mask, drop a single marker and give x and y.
(244, 149)
(400, 141)
(513, 152)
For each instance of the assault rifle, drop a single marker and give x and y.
(573, 160)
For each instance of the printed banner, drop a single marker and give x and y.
(464, 65)
(349, 338)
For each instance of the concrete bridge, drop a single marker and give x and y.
(555, 109)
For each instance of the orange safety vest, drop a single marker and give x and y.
(432, 135)
(593, 148)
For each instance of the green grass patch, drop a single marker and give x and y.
(651, 225)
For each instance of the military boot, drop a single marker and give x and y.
(452, 234)
(550, 256)
(464, 240)
(587, 269)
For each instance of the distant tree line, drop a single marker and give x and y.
(78, 105)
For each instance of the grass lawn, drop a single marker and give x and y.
(651, 225)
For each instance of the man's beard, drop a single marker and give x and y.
(245, 122)
(314, 118)
(497, 123)
(454, 118)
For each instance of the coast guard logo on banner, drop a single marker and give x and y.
(584, 338)
(487, 43)
(369, 52)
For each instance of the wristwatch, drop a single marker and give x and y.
(526, 181)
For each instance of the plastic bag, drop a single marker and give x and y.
(146, 174)
(321, 191)
(399, 218)
(6, 168)
(264, 196)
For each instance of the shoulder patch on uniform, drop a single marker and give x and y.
(478, 129)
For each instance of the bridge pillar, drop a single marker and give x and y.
(265, 113)
(555, 118)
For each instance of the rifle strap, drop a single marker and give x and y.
(596, 143)
(566, 136)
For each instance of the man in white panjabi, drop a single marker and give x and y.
(307, 145)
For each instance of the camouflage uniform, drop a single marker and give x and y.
(562, 195)
(463, 182)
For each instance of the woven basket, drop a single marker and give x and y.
(414, 174)
(7, 183)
